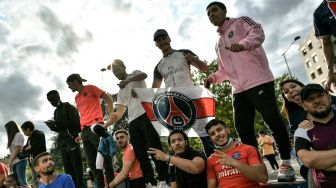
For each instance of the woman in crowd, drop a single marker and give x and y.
(15, 144)
(292, 109)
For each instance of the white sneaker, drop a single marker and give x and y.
(149, 185)
(162, 184)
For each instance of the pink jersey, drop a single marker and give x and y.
(245, 69)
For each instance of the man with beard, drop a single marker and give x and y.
(174, 69)
(188, 170)
(44, 166)
(242, 61)
(131, 166)
(316, 147)
(66, 124)
(233, 164)
(142, 132)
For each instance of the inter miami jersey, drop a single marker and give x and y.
(174, 69)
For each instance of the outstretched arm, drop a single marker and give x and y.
(123, 174)
(196, 62)
(137, 76)
(194, 166)
(328, 51)
(109, 101)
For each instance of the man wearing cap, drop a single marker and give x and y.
(90, 110)
(142, 132)
(242, 60)
(316, 147)
(174, 69)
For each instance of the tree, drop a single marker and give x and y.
(222, 94)
(55, 152)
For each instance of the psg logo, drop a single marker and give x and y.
(174, 110)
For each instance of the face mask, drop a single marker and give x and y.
(226, 144)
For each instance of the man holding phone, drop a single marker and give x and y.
(66, 123)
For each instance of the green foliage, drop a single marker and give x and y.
(55, 152)
(222, 94)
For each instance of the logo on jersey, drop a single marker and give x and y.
(174, 110)
(236, 155)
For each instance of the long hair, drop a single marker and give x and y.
(11, 128)
(287, 106)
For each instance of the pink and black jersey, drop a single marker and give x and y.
(174, 69)
(321, 137)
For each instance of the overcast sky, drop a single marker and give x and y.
(42, 42)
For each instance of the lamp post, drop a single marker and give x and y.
(102, 70)
(284, 55)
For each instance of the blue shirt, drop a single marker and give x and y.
(61, 181)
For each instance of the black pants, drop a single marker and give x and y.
(138, 183)
(73, 164)
(271, 159)
(90, 144)
(261, 98)
(143, 135)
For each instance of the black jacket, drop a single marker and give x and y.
(67, 124)
(37, 142)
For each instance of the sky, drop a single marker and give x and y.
(42, 42)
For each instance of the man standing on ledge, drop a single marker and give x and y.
(174, 70)
(90, 110)
(242, 61)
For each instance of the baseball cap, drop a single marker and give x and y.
(308, 88)
(74, 77)
(160, 32)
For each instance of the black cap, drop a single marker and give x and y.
(308, 88)
(159, 33)
(74, 77)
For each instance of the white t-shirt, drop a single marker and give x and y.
(174, 69)
(17, 141)
(135, 108)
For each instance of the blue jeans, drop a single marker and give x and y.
(19, 169)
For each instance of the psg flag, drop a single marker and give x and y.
(181, 108)
(332, 6)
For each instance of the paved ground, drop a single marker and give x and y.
(272, 177)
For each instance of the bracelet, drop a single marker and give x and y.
(169, 156)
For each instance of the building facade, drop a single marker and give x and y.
(313, 59)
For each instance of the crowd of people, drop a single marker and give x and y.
(225, 162)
